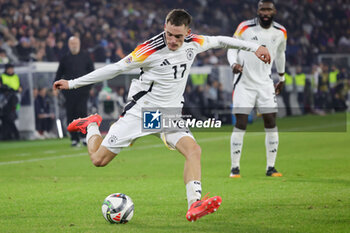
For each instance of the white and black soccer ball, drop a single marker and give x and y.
(118, 208)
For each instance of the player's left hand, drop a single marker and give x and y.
(279, 87)
(61, 85)
(263, 54)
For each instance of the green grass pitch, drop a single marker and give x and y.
(46, 186)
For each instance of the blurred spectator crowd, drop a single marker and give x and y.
(39, 30)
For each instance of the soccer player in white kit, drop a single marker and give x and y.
(164, 62)
(253, 86)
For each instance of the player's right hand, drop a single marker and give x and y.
(237, 68)
(263, 54)
(61, 85)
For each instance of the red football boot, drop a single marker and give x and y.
(82, 123)
(203, 207)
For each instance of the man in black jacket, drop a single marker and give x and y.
(75, 64)
(9, 88)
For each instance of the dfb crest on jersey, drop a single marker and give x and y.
(189, 54)
(112, 140)
(152, 119)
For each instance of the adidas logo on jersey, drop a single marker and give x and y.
(165, 62)
(255, 38)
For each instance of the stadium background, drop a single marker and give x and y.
(33, 32)
(54, 188)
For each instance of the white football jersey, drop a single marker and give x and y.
(163, 72)
(166, 69)
(255, 72)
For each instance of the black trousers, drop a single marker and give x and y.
(8, 129)
(76, 108)
(44, 124)
(301, 102)
(286, 101)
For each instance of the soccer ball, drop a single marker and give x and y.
(118, 208)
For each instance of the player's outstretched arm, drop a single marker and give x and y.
(61, 85)
(105, 73)
(263, 54)
(227, 42)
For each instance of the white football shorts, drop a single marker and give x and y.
(128, 128)
(246, 98)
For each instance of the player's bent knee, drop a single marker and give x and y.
(197, 149)
(98, 162)
(102, 157)
(189, 148)
(195, 152)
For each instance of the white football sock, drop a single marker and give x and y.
(193, 191)
(236, 146)
(271, 144)
(92, 129)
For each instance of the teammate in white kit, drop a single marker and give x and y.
(253, 85)
(164, 61)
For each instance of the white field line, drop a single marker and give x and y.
(41, 159)
(23, 154)
(49, 152)
(86, 153)
(157, 145)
